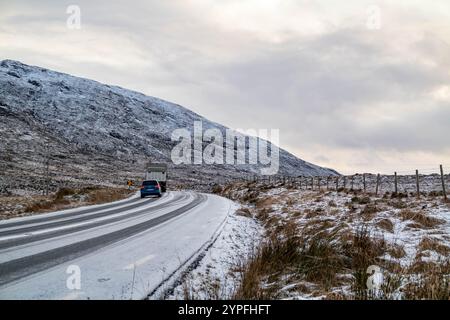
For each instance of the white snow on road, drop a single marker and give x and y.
(133, 267)
(217, 275)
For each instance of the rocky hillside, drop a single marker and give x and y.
(78, 131)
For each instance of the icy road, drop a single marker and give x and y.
(123, 250)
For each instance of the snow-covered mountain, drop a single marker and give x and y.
(92, 133)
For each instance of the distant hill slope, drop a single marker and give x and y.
(92, 133)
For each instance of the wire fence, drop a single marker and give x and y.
(411, 182)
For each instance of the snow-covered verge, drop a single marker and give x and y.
(326, 244)
(217, 275)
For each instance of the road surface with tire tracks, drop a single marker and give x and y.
(122, 250)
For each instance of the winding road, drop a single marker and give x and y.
(122, 250)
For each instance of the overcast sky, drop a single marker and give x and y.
(359, 86)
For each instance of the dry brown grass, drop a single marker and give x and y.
(320, 250)
(291, 201)
(434, 284)
(62, 198)
(270, 260)
(396, 251)
(369, 211)
(420, 219)
(314, 226)
(332, 203)
(251, 197)
(318, 254)
(310, 213)
(263, 214)
(217, 189)
(361, 200)
(316, 259)
(386, 224)
(265, 203)
(435, 245)
(363, 251)
(398, 204)
(245, 212)
(322, 259)
(296, 213)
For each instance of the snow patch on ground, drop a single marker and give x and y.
(217, 276)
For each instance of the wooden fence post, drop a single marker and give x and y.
(378, 184)
(337, 183)
(353, 178)
(328, 179)
(395, 183)
(364, 182)
(417, 184)
(312, 183)
(345, 182)
(443, 182)
(318, 183)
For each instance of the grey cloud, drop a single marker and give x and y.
(317, 89)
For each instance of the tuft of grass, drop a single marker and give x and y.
(420, 219)
(369, 211)
(363, 251)
(244, 212)
(60, 199)
(398, 204)
(270, 260)
(396, 251)
(386, 224)
(435, 245)
(332, 203)
(251, 197)
(56, 202)
(217, 189)
(63, 192)
(321, 259)
(361, 200)
(265, 203)
(432, 285)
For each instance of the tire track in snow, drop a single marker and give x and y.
(22, 267)
(76, 228)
